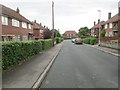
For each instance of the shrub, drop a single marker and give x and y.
(58, 39)
(87, 40)
(46, 44)
(90, 40)
(14, 52)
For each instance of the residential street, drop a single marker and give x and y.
(81, 66)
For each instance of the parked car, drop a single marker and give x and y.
(73, 40)
(78, 41)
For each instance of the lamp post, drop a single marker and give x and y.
(53, 22)
(99, 26)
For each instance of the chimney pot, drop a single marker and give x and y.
(17, 10)
(98, 21)
(94, 23)
(109, 15)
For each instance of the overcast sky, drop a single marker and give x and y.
(69, 14)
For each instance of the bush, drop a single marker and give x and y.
(87, 40)
(46, 44)
(14, 52)
(90, 40)
(58, 39)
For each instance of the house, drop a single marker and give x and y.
(69, 34)
(37, 30)
(95, 28)
(111, 26)
(15, 27)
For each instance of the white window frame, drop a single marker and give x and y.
(4, 20)
(15, 23)
(24, 25)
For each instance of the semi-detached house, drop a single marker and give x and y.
(14, 25)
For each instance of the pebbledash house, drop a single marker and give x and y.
(15, 27)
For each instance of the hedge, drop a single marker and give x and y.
(46, 44)
(90, 40)
(14, 52)
(58, 39)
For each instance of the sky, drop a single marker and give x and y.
(69, 14)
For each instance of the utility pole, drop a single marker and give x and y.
(53, 22)
(99, 26)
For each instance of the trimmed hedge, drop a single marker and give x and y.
(46, 44)
(58, 40)
(14, 52)
(90, 40)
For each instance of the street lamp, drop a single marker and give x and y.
(99, 26)
(53, 22)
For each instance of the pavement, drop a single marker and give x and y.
(27, 74)
(81, 66)
(114, 52)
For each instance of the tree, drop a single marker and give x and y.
(103, 32)
(83, 31)
(47, 34)
(57, 33)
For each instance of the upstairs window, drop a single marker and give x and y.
(106, 26)
(110, 25)
(15, 23)
(29, 26)
(24, 25)
(4, 20)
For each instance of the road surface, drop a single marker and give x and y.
(81, 66)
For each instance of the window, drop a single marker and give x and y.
(4, 20)
(110, 25)
(29, 26)
(24, 25)
(15, 23)
(105, 26)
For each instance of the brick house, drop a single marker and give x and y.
(37, 30)
(69, 34)
(15, 26)
(111, 26)
(95, 28)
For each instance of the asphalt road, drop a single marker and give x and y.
(81, 66)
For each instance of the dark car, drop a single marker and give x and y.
(78, 41)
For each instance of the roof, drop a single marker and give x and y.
(112, 19)
(70, 32)
(13, 14)
(37, 26)
(97, 25)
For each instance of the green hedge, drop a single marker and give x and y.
(90, 40)
(46, 44)
(14, 52)
(58, 39)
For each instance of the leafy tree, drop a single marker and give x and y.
(47, 34)
(83, 31)
(56, 33)
(102, 34)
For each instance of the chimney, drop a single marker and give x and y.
(17, 10)
(109, 15)
(34, 21)
(94, 23)
(40, 24)
(98, 21)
